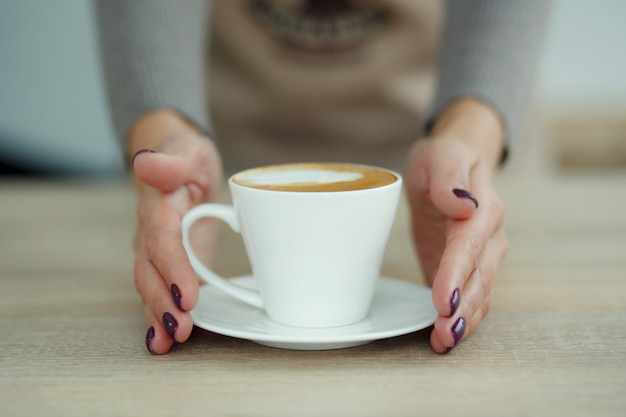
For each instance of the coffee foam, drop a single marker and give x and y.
(314, 177)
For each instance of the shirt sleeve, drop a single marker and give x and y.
(490, 50)
(154, 55)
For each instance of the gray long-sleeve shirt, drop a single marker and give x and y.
(262, 58)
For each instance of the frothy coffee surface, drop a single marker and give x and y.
(314, 177)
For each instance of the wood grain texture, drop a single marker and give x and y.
(72, 328)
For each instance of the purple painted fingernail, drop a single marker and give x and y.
(448, 349)
(455, 300)
(458, 330)
(171, 325)
(132, 162)
(149, 337)
(177, 296)
(461, 193)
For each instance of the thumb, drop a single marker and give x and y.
(165, 172)
(451, 165)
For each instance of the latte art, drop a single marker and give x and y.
(315, 177)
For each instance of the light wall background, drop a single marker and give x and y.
(53, 110)
(584, 63)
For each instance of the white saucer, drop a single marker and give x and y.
(399, 307)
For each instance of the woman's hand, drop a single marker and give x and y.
(175, 169)
(457, 217)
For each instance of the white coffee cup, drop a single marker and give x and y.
(314, 243)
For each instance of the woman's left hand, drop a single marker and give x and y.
(457, 229)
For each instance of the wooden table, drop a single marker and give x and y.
(72, 328)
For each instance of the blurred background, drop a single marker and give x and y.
(53, 109)
(54, 117)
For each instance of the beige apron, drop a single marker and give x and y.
(289, 85)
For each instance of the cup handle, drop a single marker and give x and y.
(228, 215)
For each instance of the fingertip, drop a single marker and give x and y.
(185, 294)
(455, 202)
(149, 337)
(185, 329)
(178, 327)
(464, 194)
(138, 153)
(177, 296)
(455, 301)
(161, 171)
(458, 330)
(436, 343)
(450, 179)
(191, 300)
(445, 299)
(160, 343)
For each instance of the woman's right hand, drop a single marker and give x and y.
(175, 168)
